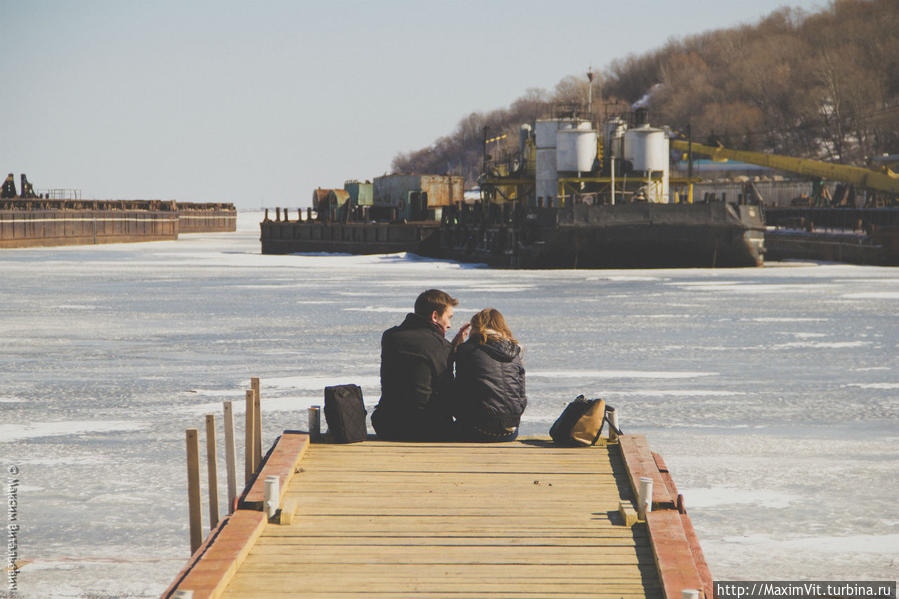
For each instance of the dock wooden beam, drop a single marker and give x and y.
(249, 433)
(257, 421)
(230, 454)
(193, 489)
(212, 471)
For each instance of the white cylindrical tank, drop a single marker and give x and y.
(647, 149)
(546, 130)
(575, 150)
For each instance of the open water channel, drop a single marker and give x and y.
(772, 393)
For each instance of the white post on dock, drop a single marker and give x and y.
(689, 594)
(230, 455)
(315, 424)
(193, 489)
(645, 499)
(272, 495)
(257, 418)
(613, 421)
(212, 471)
(249, 428)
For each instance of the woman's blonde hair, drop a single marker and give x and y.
(489, 322)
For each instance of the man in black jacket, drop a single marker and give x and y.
(417, 374)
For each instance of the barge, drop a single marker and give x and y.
(561, 201)
(838, 234)
(857, 223)
(635, 235)
(63, 218)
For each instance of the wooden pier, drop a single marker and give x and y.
(523, 519)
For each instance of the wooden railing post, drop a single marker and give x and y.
(249, 429)
(257, 435)
(230, 455)
(212, 471)
(315, 424)
(193, 489)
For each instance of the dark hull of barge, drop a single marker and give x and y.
(301, 237)
(867, 236)
(39, 223)
(638, 235)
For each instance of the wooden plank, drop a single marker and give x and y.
(666, 476)
(639, 462)
(702, 567)
(193, 489)
(337, 593)
(433, 527)
(282, 462)
(212, 471)
(673, 557)
(230, 454)
(459, 574)
(611, 537)
(213, 570)
(257, 422)
(249, 444)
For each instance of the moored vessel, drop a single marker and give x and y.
(62, 217)
(570, 197)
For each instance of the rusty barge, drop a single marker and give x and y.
(62, 217)
(568, 198)
(834, 234)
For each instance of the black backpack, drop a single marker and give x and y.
(345, 413)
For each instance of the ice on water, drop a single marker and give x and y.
(772, 393)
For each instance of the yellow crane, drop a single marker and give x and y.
(885, 181)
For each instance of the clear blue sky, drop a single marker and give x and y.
(259, 103)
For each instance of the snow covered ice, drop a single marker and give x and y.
(772, 393)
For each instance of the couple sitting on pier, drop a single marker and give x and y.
(422, 399)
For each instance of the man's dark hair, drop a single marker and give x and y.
(433, 300)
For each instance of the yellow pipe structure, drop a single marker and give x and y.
(856, 175)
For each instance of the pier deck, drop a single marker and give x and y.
(392, 520)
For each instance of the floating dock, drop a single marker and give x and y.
(523, 519)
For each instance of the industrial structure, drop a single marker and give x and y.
(858, 222)
(571, 197)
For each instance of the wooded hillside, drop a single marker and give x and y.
(822, 85)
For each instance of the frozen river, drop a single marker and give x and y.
(772, 393)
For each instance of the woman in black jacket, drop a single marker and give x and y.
(489, 386)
